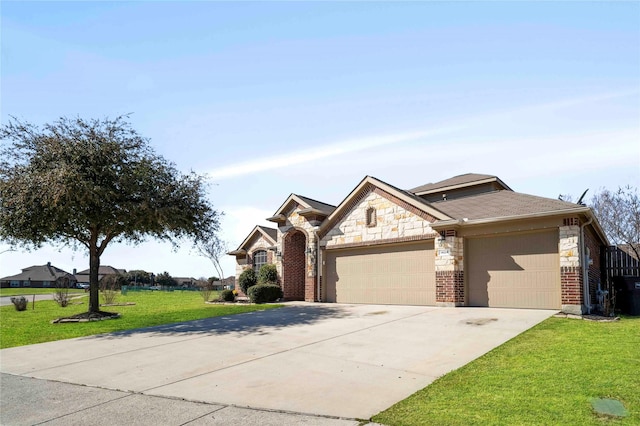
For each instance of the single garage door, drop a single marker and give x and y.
(514, 271)
(389, 275)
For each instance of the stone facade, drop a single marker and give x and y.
(393, 223)
(569, 246)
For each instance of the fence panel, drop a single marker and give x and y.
(617, 262)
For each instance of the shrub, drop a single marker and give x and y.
(109, 286)
(205, 288)
(263, 293)
(247, 279)
(227, 296)
(20, 303)
(61, 296)
(268, 274)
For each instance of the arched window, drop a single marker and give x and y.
(259, 259)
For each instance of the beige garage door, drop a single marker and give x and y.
(388, 275)
(514, 271)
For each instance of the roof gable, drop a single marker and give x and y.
(369, 184)
(309, 207)
(269, 234)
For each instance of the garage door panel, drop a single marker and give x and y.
(401, 274)
(515, 271)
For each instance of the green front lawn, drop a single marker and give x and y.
(546, 376)
(151, 308)
(20, 291)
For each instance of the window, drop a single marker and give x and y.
(259, 259)
(371, 217)
(46, 283)
(15, 283)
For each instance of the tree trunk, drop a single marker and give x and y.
(94, 265)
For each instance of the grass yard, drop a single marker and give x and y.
(546, 376)
(20, 291)
(152, 308)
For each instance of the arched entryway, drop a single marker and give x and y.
(294, 268)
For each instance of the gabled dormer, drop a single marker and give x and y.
(460, 186)
(312, 210)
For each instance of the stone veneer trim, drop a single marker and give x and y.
(385, 241)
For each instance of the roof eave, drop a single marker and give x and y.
(280, 218)
(239, 252)
(490, 220)
(312, 212)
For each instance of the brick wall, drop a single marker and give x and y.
(571, 283)
(450, 287)
(294, 276)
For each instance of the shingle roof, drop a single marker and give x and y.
(456, 180)
(272, 232)
(104, 270)
(500, 204)
(38, 273)
(327, 208)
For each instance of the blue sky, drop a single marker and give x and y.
(270, 98)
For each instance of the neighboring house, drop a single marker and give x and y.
(185, 281)
(83, 276)
(37, 276)
(465, 241)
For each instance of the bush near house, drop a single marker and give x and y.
(263, 293)
(268, 274)
(227, 296)
(247, 279)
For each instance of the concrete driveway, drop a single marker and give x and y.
(347, 361)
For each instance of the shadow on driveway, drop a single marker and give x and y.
(255, 323)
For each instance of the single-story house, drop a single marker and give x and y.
(465, 241)
(83, 276)
(38, 276)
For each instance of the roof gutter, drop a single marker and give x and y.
(490, 220)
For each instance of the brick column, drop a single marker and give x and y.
(449, 265)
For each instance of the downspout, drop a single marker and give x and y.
(585, 267)
(318, 266)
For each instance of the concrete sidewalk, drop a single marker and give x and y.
(27, 401)
(343, 361)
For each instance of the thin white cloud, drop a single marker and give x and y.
(305, 156)
(360, 144)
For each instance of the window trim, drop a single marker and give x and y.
(254, 258)
(370, 217)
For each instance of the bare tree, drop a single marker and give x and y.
(213, 248)
(619, 215)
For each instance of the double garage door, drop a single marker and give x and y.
(507, 271)
(389, 274)
(514, 271)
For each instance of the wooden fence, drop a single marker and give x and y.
(617, 262)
